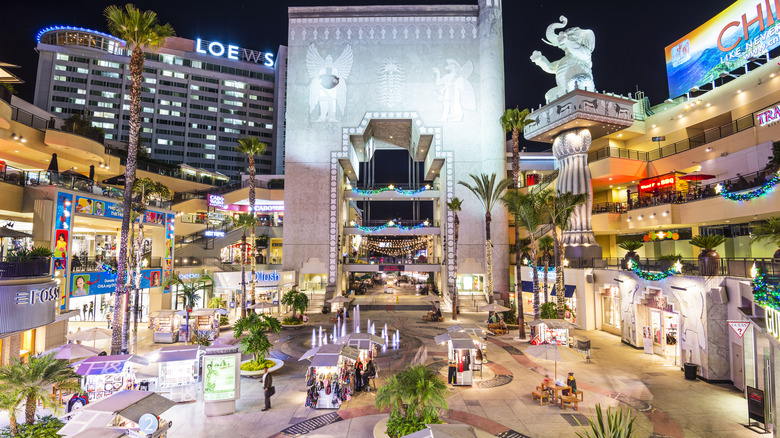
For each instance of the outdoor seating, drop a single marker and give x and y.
(574, 400)
(497, 328)
(541, 393)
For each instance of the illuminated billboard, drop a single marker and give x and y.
(746, 29)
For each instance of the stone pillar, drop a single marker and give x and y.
(571, 150)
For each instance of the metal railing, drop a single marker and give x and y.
(610, 207)
(427, 187)
(390, 260)
(689, 143)
(398, 223)
(273, 184)
(95, 263)
(39, 267)
(30, 119)
(726, 267)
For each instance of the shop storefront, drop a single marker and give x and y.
(463, 360)
(269, 286)
(570, 301)
(660, 323)
(330, 379)
(106, 375)
(179, 371)
(90, 293)
(609, 298)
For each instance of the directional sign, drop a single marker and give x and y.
(739, 327)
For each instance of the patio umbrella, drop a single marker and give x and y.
(262, 305)
(222, 311)
(552, 352)
(72, 351)
(493, 307)
(118, 180)
(93, 334)
(8, 232)
(53, 165)
(92, 172)
(697, 176)
(338, 300)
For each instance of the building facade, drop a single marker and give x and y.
(199, 97)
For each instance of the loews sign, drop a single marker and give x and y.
(229, 51)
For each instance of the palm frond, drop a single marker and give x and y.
(486, 189)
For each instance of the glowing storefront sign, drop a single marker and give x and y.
(649, 185)
(268, 208)
(215, 48)
(767, 116)
(216, 201)
(214, 233)
(772, 322)
(746, 29)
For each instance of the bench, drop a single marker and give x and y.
(572, 400)
(429, 319)
(496, 329)
(541, 393)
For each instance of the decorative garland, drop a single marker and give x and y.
(755, 193)
(388, 189)
(764, 294)
(654, 276)
(391, 224)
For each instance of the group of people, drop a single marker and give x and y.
(495, 318)
(435, 314)
(571, 382)
(364, 372)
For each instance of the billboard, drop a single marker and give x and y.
(96, 283)
(746, 29)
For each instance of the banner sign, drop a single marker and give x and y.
(647, 339)
(219, 381)
(739, 327)
(96, 283)
(746, 29)
(755, 399)
(391, 268)
(170, 221)
(62, 223)
(113, 210)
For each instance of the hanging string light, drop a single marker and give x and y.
(389, 188)
(654, 276)
(396, 247)
(391, 224)
(747, 196)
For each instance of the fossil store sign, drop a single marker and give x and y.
(27, 306)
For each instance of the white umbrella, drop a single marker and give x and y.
(93, 334)
(222, 311)
(262, 305)
(493, 307)
(552, 352)
(72, 351)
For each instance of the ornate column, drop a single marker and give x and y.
(570, 148)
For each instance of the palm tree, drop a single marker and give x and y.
(33, 379)
(546, 244)
(189, 294)
(526, 208)
(767, 231)
(560, 208)
(415, 396)
(256, 341)
(297, 300)
(455, 206)
(246, 222)
(144, 190)
(488, 192)
(141, 31)
(252, 146)
(10, 399)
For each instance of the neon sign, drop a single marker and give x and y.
(652, 184)
(212, 233)
(229, 51)
(772, 322)
(216, 201)
(269, 207)
(768, 116)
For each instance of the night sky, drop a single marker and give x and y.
(630, 35)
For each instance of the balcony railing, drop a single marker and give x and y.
(397, 223)
(390, 260)
(689, 143)
(30, 119)
(727, 267)
(28, 268)
(88, 264)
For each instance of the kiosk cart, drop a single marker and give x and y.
(478, 332)
(205, 322)
(551, 331)
(126, 413)
(164, 325)
(365, 343)
(330, 378)
(106, 375)
(461, 351)
(179, 371)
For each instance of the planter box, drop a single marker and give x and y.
(278, 364)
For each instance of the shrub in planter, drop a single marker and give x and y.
(709, 259)
(257, 366)
(44, 427)
(415, 397)
(510, 316)
(631, 246)
(549, 310)
(666, 261)
(291, 321)
(224, 320)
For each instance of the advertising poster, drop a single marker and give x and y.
(62, 222)
(219, 382)
(96, 283)
(154, 218)
(756, 409)
(746, 29)
(94, 207)
(647, 339)
(168, 256)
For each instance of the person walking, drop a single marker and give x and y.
(369, 374)
(92, 310)
(268, 389)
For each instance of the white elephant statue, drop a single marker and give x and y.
(573, 71)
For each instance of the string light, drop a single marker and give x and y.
(747, 196)
(391, 224)
(654, 276)
(390, 188)
(764, 295)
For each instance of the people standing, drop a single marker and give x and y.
(268, 389)
(369, 374)
(92, 310)
(108, 318)
(358, 375)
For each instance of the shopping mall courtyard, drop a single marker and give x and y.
(499, 402)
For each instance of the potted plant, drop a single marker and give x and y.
(297, 300)
(666, 261)
(256, 342)
(709, 260)
(769, 231)
(415, 397)
(631, 246)
(616, 423)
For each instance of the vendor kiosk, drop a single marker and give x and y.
(365, 343)
(331, 377)
(205, 322)
(477, 332)
(106, 375)
(462, 354)
(551, 331)
(164, 325)
(179, 371)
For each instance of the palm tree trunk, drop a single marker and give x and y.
(136, 297)
(488, 259)
(30, 405)
(546, 268)
(243, 275)
(518, 284)
(535, 275)
(254, 215)
(560, 289)
(455, 273)
(136, 76)
(13, 425)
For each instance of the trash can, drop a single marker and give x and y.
(691, 370)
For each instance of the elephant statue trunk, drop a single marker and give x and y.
(552, 37)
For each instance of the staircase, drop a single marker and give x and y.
(471, 302)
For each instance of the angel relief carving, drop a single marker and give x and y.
(454, 90)
(328, 87)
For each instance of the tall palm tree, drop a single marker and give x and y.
(768, 232)
(252, 146)
(545, 246)
(560, 208)
(455, 206)
(246, 222)
(488, 192)
(144, 191)
(33, 379)
(141, 31)
(526, 208)
(189, 294)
